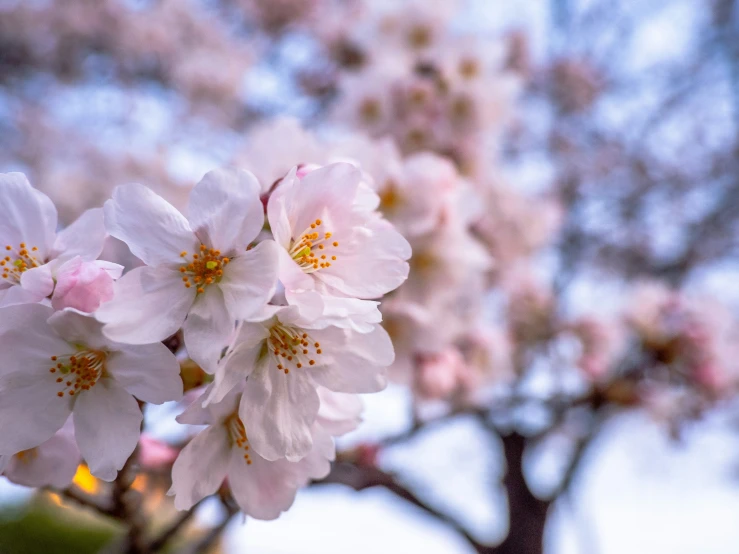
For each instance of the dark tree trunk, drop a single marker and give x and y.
(527, 513)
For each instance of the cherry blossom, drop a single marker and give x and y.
(202, 273)
(60, 364)
(283, 360)
(37, 262)
(262, 488)
(332, 242)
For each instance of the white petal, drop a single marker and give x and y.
(330, 189)
(30, 410)
(375, 346)
(250, 279)
(278, 411)
(85, 237)
(291, 276)
(208, 328)
(107, 425)
(148, 371)
(53, 463)
(27, 341)
(262, 489)
(114, 270)
(279, 222)
(201, 467)
(38, 281)
(375, 265)
(151, 227)
(196, 414)
(339, 412)
(14, 295)
(79, 328)
(225, 211)
(149, 305)
(359, 366)
(239, 363)
(26, 215)
(350, 313)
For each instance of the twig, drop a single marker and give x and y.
(161, 541)
(207, 541)
(364, 477)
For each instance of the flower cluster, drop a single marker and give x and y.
(402, 72)
(281, 312)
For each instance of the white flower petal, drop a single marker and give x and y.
(149, 305)
(201, 467)
(85, 237)
(225, 211)
(375, 265)
(239, 363)
(26, 340)
(38, 281)
(291, 276)
(107, 425)
(327, 190)
(278, 411)
(14, 295)
(279, 222)
(151, 227)
(262, 489)
(375, 346)
(148, 371)
(250, 279)
(79, 328)
(339, 412)
(208, 328)
(30, 410)
(53, 463)
(26, 215)
(359, 366)
(350, 313)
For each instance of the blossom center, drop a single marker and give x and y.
(292, 347)
(78, 372)
(237, 435)
(390, 197)
(309, 251)
(205, 268)
(17, 261)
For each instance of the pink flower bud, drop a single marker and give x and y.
(84, 285)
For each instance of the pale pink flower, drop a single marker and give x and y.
(414, 331)
(224, 450)
(413, 197)
(201, 275)
(53, 463)
(57, 364)
(439, 374)
(335, 250)
(603, 342)
(283, 360)
(36, 262)
(443, 261)
(488, 355)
